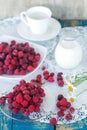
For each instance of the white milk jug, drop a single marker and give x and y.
(68, 53)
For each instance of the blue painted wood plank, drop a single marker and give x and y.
(79, 125)
(5, 122)
(84, 22)
(17, 125)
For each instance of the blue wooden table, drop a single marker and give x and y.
(10, 124)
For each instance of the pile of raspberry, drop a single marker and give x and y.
(26, 97)
(17, 58)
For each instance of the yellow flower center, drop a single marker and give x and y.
(70, 88)
(72, 99)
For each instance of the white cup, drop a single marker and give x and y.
(37, 19)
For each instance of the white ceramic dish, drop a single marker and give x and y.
(52, 31)
(8, 81)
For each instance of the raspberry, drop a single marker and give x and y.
(60, 83)
(63, 102)
(22, 88)
(43, 68)
(14, 111)
(15, 104)
(31, 108)
(2, 101)
(27, 97)
(60, 113)
(58, 104)
(68, 104)
(37, 57)
(20, 54)
(46, 72)
(13, 42)
(53, 121)
(62, 108)
(50, 79)
(10, 95)
(60, 74)
(30, 68)
(19, 98)
(72, 109)
(60, 96)
(51, 74)
(35, 99)
(24, 103)
(26, 113)
(37, 109)
(68, 117)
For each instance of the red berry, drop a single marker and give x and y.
(68, 117)
(35, 99)
(72, 109)
(19, 98)
(24, 103)
(63, 102)
(60, 96)
(60, 83)
(31, 108)
(30, 68)
(14, 111)
(53, 121)
(2, 101)
(27, 97)
(50, 79)
(60, 113)
(43, 68)
(37, 57)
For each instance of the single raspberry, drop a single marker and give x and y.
(68, 117)
(72, 109)
(60, 96)
(10, 95)
(50, 79)
(68, 104)
(2, 101)
(23, 87)
(63, 102)
(37, 57)
(26, 113)
(15, 104)
(30, 68)
(60, 83)
(19, 98)
(58, 104)
(60, 113)
(43, 68)
(37, 109)
(60, 74)
(51, 74)
(24, 103)
(62, 108)
(46, 72)
(35, 99)
(53, 121)
(31, 108)
(20, 54)
(14, 111)
(27, 97)
(13, 42)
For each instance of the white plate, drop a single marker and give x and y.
(53, 30)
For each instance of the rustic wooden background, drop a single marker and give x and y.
(62, 9)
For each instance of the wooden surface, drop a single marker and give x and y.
(9, 124)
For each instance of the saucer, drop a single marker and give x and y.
(52, 31)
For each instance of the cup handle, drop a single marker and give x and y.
(24, 18)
